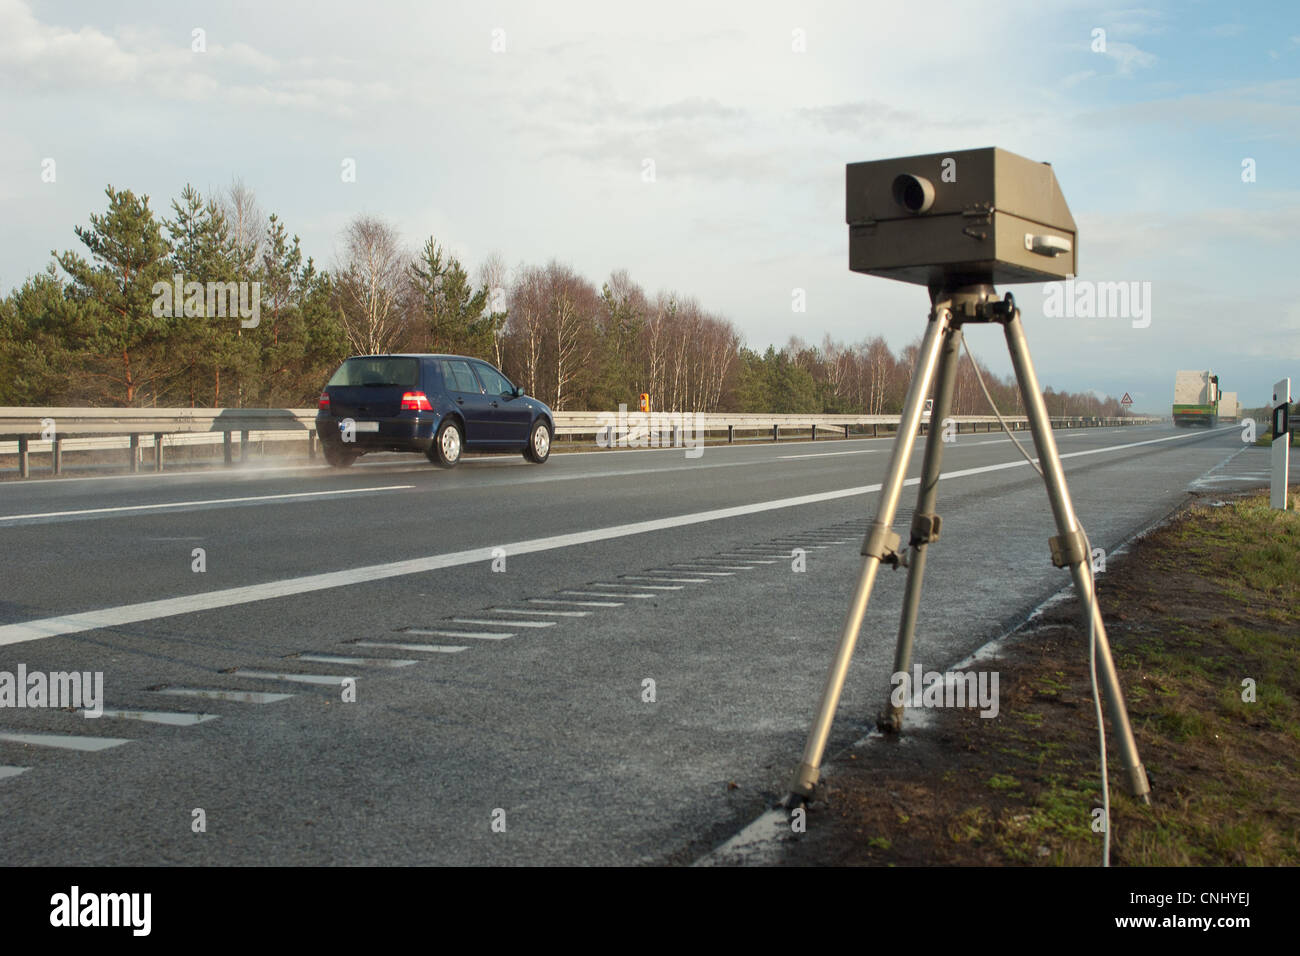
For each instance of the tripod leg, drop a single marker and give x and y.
(1070, 548)
(880, 543)
(925, 523)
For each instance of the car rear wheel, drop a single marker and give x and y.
(539, 443)
(337, 455)
(447, 445)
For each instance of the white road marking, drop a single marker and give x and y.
(199, 502)
(491, 623)
(830, 454)
(239, 696)
(576, 603)
(42, 628)
(695, 566)
(356, 661)
(65, 742)
(536, 611)
(296, 678)
(642, 587)
(7, 771)
(655, 577)
(482, 635)
(672, 570)
(597, 594)
(169, 717)
(432, 648)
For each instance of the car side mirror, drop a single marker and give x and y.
(516, 392)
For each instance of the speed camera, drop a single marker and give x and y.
(965, 217)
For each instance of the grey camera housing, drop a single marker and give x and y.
(964, 217)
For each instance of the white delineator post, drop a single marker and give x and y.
(1281, 443)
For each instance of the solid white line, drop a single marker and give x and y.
(63, 742)
(228, 597)
(208, 501)
(7, 771)
(830, 454)
(239, 696)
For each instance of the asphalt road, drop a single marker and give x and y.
(639, 565)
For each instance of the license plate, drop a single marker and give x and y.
(367, 426)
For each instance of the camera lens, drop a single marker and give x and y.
(913, 193)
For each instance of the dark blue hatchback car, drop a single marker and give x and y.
(440, 405)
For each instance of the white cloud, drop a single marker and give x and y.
(1129, 58)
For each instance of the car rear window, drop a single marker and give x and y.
(378, 370)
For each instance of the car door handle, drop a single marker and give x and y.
(460, 401)
(494, 404)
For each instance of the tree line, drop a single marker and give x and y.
(95, 329)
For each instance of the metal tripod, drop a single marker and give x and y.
(936, 363)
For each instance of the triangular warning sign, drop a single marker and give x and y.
(1126, 400)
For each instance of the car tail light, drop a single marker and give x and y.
(416, 402)
(323, 403)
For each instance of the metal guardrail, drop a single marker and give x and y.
(97, 429)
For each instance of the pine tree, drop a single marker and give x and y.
(453, 310)
(128, 256)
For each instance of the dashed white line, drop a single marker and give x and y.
(355, 661)
(431, 648)
(491, 623)
(296, 678)
(576, 603)
(598, 594)
(169, 717)
(536, 611)
(238, 696)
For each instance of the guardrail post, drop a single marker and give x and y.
(243, 444)
(776, 433)
(225, 447)
(157, 452)
(731, 434)
(135, 453)
(846, 432)
(57, 445)
(311, 444)
(814, 431)
(873, 429)
(23, 469)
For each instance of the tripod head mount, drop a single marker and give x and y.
(972, 302)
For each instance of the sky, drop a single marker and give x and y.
(531, 130)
